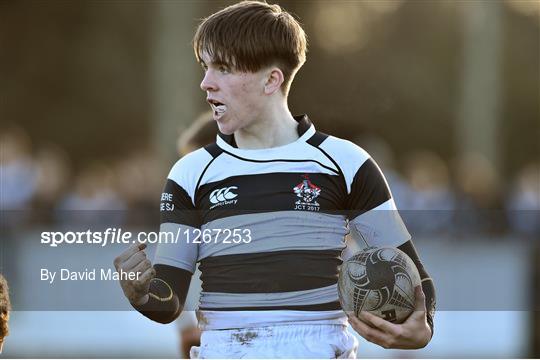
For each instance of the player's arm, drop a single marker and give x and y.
(160, 290)
(375, 221)
(174, 261)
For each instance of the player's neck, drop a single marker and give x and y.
(276, 127)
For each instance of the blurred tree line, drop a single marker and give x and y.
(79, 74)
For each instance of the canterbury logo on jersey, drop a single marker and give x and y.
(223, 196)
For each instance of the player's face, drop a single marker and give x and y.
(237, 98)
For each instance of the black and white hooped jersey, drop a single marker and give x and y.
(268, 226)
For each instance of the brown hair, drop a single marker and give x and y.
(251, 35)
(5, 308)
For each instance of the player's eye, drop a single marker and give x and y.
(223, 69)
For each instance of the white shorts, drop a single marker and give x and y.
(280, 341)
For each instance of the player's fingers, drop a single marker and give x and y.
(126, 254)
(363, 318)
(419, 312)
(420, 299)
(120, 259)
(367, 332)
(146, 276)
(360, 326)
(142, 266)
(379, 323)
(133, 261)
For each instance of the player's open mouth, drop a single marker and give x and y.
(218, 108)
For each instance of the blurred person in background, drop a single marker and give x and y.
(93, 190)
(150, 164)
(93, 201)
(17, 168)
(53, 175)
(294, 177)
(200, 133)
(139, 194)
(478, 195)
(431, 201)
(523, 202)
(5, 308)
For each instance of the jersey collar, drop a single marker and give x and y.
(305, 130)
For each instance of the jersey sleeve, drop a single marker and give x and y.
(373, 217)
(179, 216)
(369, 207)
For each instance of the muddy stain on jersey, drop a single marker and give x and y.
(244, 337)
(201, 318)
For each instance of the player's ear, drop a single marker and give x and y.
(274, 80)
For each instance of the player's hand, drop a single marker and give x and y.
(134, 260)
(414, 333)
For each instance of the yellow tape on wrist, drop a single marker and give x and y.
(163, 299)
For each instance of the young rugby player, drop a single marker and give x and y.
(267, 208)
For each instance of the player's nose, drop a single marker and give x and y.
(208, 83)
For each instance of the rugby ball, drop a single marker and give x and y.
(380, 281)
